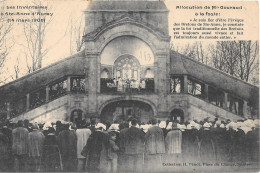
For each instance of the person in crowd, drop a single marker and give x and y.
(95, 149)
(67, 141)
(58, 128)
(36, 139)
(134, 147)
(121, 154)
(112, 152)
(220, 140)
(51, 155)
(207, 146)
(7, 131)
(173, 143)
(154, 145)
(83, 134)
(27, 125)
(189, 142)
(92, 125)
(4, 150)
(20, 147)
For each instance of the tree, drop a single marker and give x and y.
(76, 30)
(35, 33)
(5, 28)
(237, 58)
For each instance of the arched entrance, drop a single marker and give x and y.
(76, 115)
(120, 111)
(177, 114)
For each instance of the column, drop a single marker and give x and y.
(27, 102)
(68, 84)
(86, 71)
(206, 92)
(225, 100)
(8, 110)
(185, 84)
(92, 82)
(47, 93)
(245, 113)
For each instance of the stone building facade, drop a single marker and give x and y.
(127, 69)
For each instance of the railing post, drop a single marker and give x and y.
(245, 113)
(225, 100)
(47, 93)
(185, 84)
(27, 101)
(68, 84)
(8, 110)
(206, 92)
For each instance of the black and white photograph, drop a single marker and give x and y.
(124, 86)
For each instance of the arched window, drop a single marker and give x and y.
(127, 68)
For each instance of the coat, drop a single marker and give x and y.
(96, 150)
(82, 137)
(154, 141)
(4, 146)
(134, 141)
(173, 141)
(20, 141)
(36, 139)
(67, 141)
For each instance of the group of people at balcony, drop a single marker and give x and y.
(127, 85)
(129, 146)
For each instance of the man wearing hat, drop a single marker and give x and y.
(154, 145)
(67, 141)
(207, 147)
(36, 139)
(20, 147)
(134, 147)
(95, 149)
(4, 150)
(83, 134)
(173, 143)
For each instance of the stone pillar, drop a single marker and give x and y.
(92, 82)
(206, 92)
(47, 93)
(8, 108)
(68, 84)
(185, 84)
(245, 113)
(161, 80)
(27, 101)
(86, 71)
(225, 100)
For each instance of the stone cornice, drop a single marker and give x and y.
(121, 21)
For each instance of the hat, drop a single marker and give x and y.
(114, 127)
(218, 122)
(182, 127)
(246, 129)
(222, 126)
(169, 127)
(100, 125)
(145, 127)
(162, 124)
(189, 127)
(206, 125)
(35, 126)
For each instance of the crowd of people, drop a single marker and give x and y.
(130, 146)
